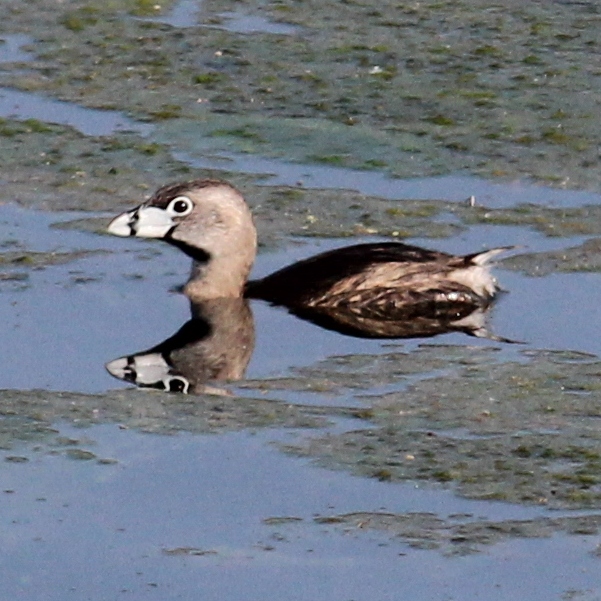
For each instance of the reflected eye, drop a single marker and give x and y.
(177, 384)
(180, 206)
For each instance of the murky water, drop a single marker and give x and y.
(171, 531)
(338, 467)
(233, 508)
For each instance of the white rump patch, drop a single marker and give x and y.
(476, 278)
(484, 257)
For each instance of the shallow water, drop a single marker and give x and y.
(11, 48)
(181, 14)
(24, 105)
(230, 521)
(62, 322)
(117, 291)
(448, 187)
(338, 468)
(239, 22)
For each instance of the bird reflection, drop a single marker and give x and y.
(372, 290)
(216, 344)
(412, 322)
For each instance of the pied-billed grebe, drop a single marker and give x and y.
(215, 345)
(386, 281)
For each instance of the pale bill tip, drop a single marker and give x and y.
(117, 367)
(120, 226)
(143, 222)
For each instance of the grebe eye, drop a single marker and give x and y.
(180, 206)
(177, 384)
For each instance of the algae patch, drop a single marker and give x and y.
(55, 168)
(522, 432)
(456, 535)
(25, 414)
(578, 259)
(417, 89)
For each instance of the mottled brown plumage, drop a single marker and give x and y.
(368, 289)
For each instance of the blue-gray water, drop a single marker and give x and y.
(189, 515)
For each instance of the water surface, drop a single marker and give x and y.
(339, 468)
